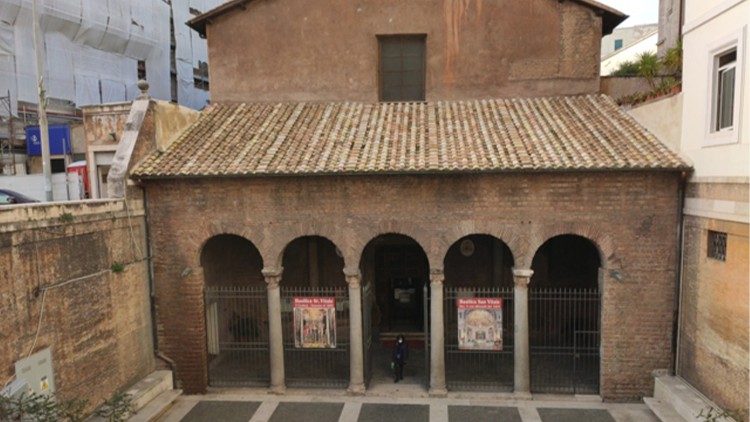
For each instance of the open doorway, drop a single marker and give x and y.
(395, 273)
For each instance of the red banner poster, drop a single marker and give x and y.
(480, 323)
(314, 322)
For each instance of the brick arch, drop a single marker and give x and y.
(257, 237)
(282, 237)
(428, 244)
(601, 241)
(508, 236)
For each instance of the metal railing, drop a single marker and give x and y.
(325, 367)
(237, 334)
(564, 339)
(490, 370)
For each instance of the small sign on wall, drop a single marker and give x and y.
(480, 323)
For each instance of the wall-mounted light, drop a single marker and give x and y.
(616, 274)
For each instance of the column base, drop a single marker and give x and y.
(522, 395)
(356, 390)
(277, 390)
(438, 392)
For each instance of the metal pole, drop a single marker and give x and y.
(42, 107)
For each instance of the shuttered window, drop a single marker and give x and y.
(402, 68)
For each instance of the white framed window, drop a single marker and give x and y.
(725, 80)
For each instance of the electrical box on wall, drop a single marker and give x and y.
(36, 371)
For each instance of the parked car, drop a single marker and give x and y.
(8, 197)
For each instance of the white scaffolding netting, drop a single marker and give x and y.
(92, 49)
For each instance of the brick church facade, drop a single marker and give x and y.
(401, 159)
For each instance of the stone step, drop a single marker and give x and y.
(156, 407)
(683, 398)
(149, 387)
(664, 411)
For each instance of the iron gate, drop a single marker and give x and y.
(478, 369)
(237, 336)
(324, 367)
(367, 298)
(564, 340)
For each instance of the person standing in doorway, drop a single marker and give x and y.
(400, 355)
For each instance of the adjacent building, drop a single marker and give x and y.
(713, 336)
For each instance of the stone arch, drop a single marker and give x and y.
(602, 242)
(323, 262)
(488, 263)
(260, 238)
(430, 244)
(231, 260)
(508, 235)
(566, 261)
(282, 237)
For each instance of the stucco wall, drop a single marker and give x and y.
(99, 324)
(279, 50)
(732, 157)
(663, 118)
(631, 217)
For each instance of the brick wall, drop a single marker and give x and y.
(319, 50)
(713, 346)
(631, 217)
(99, 327)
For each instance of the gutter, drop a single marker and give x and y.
(677, 322)
(152, 296)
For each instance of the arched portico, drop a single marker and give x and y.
(395, 279)
(564, 316)
(314, 313)
(236, 312)
(478, 312)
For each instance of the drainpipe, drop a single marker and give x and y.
(152, 294)
(676, 325)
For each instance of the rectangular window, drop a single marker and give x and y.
(401, 71)
(141, 70)
(618, 44)
(717, 245)
(723, 98)
(200, 76)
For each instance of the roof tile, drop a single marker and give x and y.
(532, 134)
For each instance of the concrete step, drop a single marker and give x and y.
(664, 411)
(148, 388)
(156, 407)
(683, 398)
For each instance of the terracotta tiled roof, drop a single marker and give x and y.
(535, 134)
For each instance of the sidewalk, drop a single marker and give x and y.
(398, 404)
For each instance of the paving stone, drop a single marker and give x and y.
(225, 411)
(318, 412)
(372, 412)
(574, 415)
(483, 413)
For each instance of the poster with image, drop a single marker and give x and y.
(314, 322)
(480, 323)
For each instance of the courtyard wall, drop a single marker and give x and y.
(97, 319)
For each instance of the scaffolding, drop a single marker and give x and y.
(7, 142)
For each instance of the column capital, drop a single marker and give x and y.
(437, 276)
(522, 277)
(353, 277)
(272, 276)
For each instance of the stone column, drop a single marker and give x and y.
(275, 339)
(437, 334)
(356, 348)
(521, 380)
